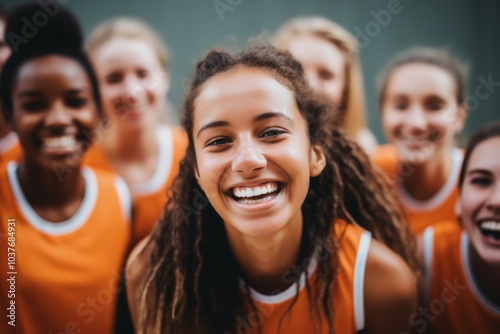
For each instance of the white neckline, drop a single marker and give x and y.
(467, 266)
(8, 142)
(442, 195)
(74, 222)
(163, 165)
(358, 283)
(286, 294)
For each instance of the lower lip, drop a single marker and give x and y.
(253, 207)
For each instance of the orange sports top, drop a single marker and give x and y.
(348, 292)
(421, 214)
(150, 197)
(10, 148)
(456, 302)
(65, 276)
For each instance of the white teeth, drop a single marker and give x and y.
(246, 192)
(59, 142)
(256, 201)
(490, 225)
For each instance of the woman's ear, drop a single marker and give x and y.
(318, 160)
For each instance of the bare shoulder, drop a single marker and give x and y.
(390, 291)
(138, 264)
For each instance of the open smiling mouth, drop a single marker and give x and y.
(256, 195)
(490, 229)
(61, 142)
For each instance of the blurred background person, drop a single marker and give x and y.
(68, 225)
(131, 63)
(422, 105)
(329, 55)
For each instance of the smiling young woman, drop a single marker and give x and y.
(68, 233)
(258, 235)
(329, 55)
(131, 63)
(422, 108)
(461, 261)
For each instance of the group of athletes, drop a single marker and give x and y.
(272, 210)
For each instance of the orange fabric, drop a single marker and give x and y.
(298, 320)
(148, 208)
(65, 282)
(453, 307)
(386, 158)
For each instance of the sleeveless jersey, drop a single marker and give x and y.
(421, 214)
(62, 277)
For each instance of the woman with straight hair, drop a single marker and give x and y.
(329, 55)
(422, 105)
(131, 63)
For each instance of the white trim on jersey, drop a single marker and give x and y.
(72, 224)
(8, 142)
(469, 275)
(359, 280)
(442, 195)
(124, 196)
(289, 293)
(428, 250)
(163, 165)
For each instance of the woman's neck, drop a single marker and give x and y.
(427, 179)
(487, 275)
(53, 196)
(131, 146)
(268, 264)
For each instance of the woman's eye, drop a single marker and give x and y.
(481, 181)
(142, 74)
(435, 103)
(326, 75)
(269, 133)
(114, 78)
(34, 105)
(434, 106)
(401, 105)
(217, 142)
(77, 102)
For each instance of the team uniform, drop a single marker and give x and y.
(456, 302)
(348, 292)
(10, 148)
(150, 197)
(66, 274)
(421, 214)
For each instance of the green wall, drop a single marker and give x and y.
(470, 29)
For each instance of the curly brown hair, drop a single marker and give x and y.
(193, 282)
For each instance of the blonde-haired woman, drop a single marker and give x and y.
(329, 55)
(131, 63)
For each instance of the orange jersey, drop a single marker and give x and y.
(62, 277)
(10, 148)
(348, 292)
(150, 197)
(421, 214)
(456, 303)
